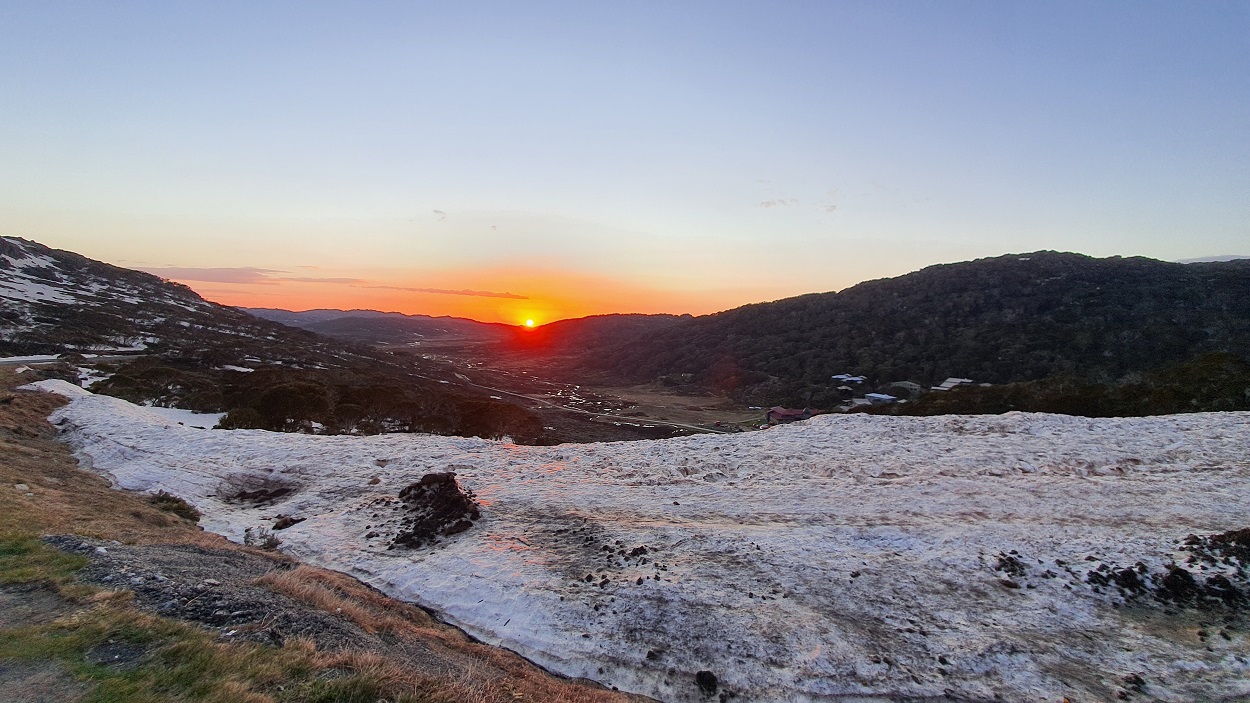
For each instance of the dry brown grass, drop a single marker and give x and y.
(473, 671)
(67, 500)
(440, 662)
(335, 593)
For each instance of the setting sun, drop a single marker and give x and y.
(529, 323)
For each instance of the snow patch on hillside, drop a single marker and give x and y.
(846, 556)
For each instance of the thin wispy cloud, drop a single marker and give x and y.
(249, 275)
(445, 291)
(779, 202)
(308, 279)
(240, 274)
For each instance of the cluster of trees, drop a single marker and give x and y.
(332, 401)
(1213, 382)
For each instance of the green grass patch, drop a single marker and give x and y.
(180, 662)
(26, 559)
(172, 660)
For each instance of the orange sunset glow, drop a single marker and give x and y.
(528, 298)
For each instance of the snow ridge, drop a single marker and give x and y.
(849, 557)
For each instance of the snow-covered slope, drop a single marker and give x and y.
(847, 558)
(54, 301)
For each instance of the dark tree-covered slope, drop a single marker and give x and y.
(1010, 318)
(1211, 383)
(587, 335)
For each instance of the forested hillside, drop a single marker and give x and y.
(998, 320)
(585, 336)
(1211, 383)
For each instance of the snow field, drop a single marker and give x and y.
(849, 557)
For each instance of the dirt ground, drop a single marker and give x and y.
(695, 408)
(164, 565)
(586, 411)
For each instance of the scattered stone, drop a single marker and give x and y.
(1231, 545)
(1128, 579)
(1009, 565)
(707, 683)
(1135, 683)
(256, 490)
(286, 521)
(120, 655)
(1179, 586)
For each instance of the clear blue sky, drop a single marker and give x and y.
(688, 156)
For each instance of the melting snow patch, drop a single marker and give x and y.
(27, 359)
(187, 417)
(888, 558)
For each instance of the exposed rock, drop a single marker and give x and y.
(258, 490)
(436, 507)
(1177, 586)
(706, 681)
(1231, 545)
(286, 521)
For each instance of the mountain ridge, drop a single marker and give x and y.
(376, 327)
(198, 355)
(57, 301)
(1016, 317)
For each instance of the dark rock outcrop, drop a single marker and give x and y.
(436, 506)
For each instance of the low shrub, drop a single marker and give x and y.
(171, 503)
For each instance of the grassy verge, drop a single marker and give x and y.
(26, 559)
(167, 660)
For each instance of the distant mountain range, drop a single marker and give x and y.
(1207, 259)
(1013, 318)
(373, 327)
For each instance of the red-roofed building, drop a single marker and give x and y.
(780, 415)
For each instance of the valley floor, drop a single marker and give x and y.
(1017, 557)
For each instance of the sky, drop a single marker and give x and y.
(510, 161)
